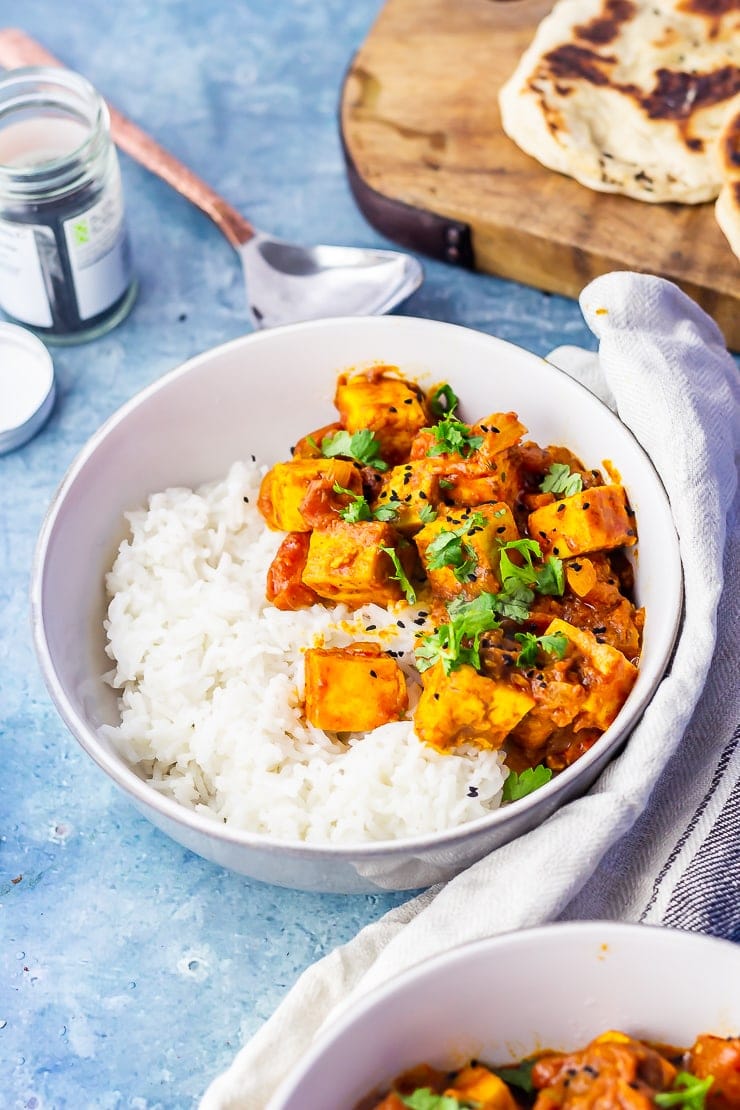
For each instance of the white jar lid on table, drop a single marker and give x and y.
(27, 386)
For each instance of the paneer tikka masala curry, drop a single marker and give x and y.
(514, 554)
(613, 1072)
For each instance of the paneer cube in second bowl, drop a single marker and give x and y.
(353, 689)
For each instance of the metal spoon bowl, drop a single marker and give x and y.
(286, 282)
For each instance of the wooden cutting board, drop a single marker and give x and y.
(431, 167)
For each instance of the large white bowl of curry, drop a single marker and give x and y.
(259, 395)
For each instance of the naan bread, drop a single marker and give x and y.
(629, 96)
(727, 208)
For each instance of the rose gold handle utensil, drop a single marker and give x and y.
(285, 282)
(19, 49)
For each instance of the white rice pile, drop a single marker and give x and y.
(211, 681)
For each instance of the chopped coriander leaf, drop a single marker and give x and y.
(553, 645)
(361, 446)
(551, 579)
(385, 512)
(445, 483)
(358, 508)
(471, 618)
(689, 1092)
(438, 647)
(511, 573)
(560, 479)
(427, 513)
(443, 401)
(453, 437)
(400, 575)
(518, 786)
(518, 1075)
(449, 549)
(514, 602)
(424, 1098)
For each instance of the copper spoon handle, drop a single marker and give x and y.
(19, 49)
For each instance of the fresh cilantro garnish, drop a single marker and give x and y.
(518, 786)
(453, 437)
(514, 602)
(441, 646)
(518, 1075)
(551, 578)
(358, 508)
(449, 549)
(560, 479)
(424, 1098)
(427, 513)
(443, 401)
(400, 575)
(361, 446)
(531, 644)
(468, 619)
(445, 483)
(691, 1097)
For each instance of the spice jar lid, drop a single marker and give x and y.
(27, 386)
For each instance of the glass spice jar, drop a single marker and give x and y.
(65, 262)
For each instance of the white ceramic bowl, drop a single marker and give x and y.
(257, 395)
(508, 997)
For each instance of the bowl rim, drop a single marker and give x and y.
(144, 795)
(597, 930)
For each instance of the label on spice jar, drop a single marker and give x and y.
(22, 291)
(99, 254)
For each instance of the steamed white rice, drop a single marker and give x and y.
(211, 686)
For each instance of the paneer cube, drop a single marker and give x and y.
(501, 481)
(479, 1086)
(386, 404)
(285, 485)
(464, 707)
(353, 689)
(607, 676)
(499, 431)
(460, 549)
(593, 520)
(412, 491)
(346, 563)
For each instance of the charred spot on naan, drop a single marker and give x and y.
(604, 28)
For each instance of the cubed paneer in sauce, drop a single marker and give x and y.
(389, 406)
(411, 491)
(346, 562)
(285, 485)
(605, 673)
(465, 707)
(595, 519)
(353, 689)
(473, 539)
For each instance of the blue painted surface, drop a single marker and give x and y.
(130, 969)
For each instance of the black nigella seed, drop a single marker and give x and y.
(400, 624)
(542, 535)
(436, 697)
(472, 791)
(495, 431)
(392, 408)
(245, 500)
(373, 674)
(601, 628)
(556, 551)
(370, 627)
(630, 531)
(561, 507)
(409, 401)
(586, 505)
(501, 528)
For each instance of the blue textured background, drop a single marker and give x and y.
(131, 970)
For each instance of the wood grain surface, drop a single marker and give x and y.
(421, 126)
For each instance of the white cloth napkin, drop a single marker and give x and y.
(663, 366)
